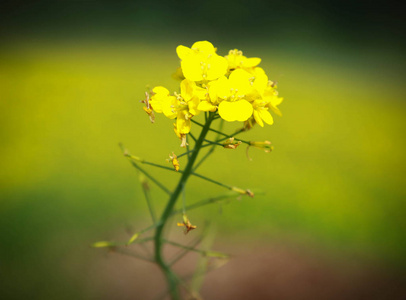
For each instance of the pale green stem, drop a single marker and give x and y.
(207, 201)
(211, 150)
(182, 172)
(183, 252)
(203, 252)
(147, 196)
(151, 178)
(223, 134)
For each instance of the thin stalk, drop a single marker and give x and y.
(160, 185)
(230, 135)
(191, 173)
(222, 133)
(207, 201)
(192, 136)
(147, 196)
(187, 148)
(183, 252)
(211, 150)
(171, 278)
(203, 252)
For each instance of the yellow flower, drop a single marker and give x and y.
(264, 97)
(237, 60)
(231, 94)
(160, 99)
(201, 62)
(182, 106)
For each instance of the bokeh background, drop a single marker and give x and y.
(331, 222)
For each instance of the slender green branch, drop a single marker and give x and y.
(160, 185)
(183, 251)
(191, 173)
(226, 136)
(231, 135)
(192, 136)
(203, 252)
(136, 255)
(212, 181)
(187, 149)
(207, 201)
(214, 143)
(145, 188)
(211, 150)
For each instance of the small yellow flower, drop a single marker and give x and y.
(231, 93)
(236, 60)
(201, 62)
(264, 97)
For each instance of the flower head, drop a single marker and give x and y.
(234, 87)
(200, 62)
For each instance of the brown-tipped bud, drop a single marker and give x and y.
(242, 192)
(148, 108)
(187, 224)
(266, 146)
(230, 144)
(174, 159)
(183, 139)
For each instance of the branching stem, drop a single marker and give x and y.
(170, 276)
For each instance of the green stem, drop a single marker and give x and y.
(226, 136)
(150, 177)
(171, 278)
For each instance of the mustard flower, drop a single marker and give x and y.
(236, 59)
(264, 97)
(231, 94)
(201, 62)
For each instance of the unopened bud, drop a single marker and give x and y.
(230, 144)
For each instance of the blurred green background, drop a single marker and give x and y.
(71, 78)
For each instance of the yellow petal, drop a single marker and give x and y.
(266, 116)
(239, 110)
(240, 80)
(193, 106)
(160, 90)
(167, 107)
(191, 68)
(216, 67)
(204, 47)
(206, 106)
(186, 89)
(183, 51)
(258, 118)
(251, 62)
(182, 124)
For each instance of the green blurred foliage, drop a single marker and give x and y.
(334, 181)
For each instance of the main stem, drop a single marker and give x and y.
(170, 276)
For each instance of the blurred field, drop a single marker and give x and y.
(335, 182)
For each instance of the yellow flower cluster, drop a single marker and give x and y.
(233, 85)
